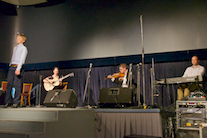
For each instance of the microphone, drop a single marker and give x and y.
(91, 65)
(89, 71)
(139, 64)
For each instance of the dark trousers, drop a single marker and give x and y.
(16, 82)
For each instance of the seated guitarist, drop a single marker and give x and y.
(53, 78)
(194, 70)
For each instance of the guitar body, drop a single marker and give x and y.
(48, 86)
(55, 82)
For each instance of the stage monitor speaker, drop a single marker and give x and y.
(115, 96)
(61, 98)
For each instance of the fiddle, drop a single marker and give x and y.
(117, 75)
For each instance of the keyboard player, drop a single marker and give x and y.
(194, 70)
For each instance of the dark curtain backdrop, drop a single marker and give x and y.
(77, 83)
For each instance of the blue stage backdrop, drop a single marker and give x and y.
(77, 83)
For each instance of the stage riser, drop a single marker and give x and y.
(117, 123)
(47, 123)
(27, 115)
(22, 127)
(6, 135)
(79, 123)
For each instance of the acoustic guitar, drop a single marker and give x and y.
(51, 83)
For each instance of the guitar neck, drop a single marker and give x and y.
(71, 74)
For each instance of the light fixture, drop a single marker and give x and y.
(24, 2)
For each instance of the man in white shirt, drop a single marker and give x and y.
(194, 70)
(14, 76)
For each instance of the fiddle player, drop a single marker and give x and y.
(121, 81)
(194, 70)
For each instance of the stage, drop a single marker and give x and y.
(44, 122)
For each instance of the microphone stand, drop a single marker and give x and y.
(138, 86)
(153, 94)
(152, 81)
(143, 75)
(56, 94)
(87, 86)
(129, 82)
(40, 87)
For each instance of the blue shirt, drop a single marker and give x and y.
(19, 56)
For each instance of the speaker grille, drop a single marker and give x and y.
(61, 98)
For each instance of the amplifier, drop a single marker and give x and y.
(61, 98)
(191, 122)
(189, 114)
(115, 96)
(191, 117)
(196, 96)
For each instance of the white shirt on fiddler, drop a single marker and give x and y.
(124, 85)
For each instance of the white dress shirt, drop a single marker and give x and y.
(198, 71)
(124, 84)
(19, 56)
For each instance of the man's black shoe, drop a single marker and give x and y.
(14, 105)
(6, 105)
